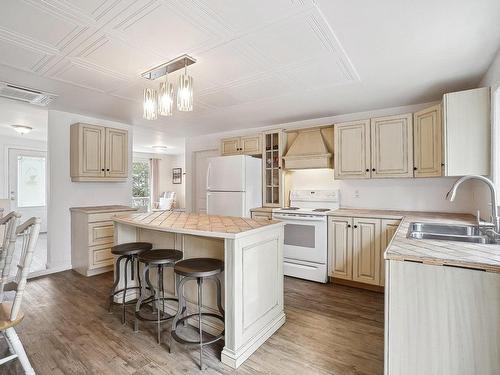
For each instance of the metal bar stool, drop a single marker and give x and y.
(160, 258)
(198, 269)
(128, 252)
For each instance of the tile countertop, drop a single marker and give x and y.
(196, 224)
(469, 255)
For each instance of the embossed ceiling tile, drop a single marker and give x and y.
(288, 41)
(164, 32)
(220, 99)
(318, 73)
(35, 23)
(120, 57)
(226, 63)
(89, 78)
(242, 15)
(259, 89)
(18, 57)
(94, 8)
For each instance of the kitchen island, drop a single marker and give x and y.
(252, 251)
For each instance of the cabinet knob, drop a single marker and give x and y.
(373, 169)
(348, 225)
(107, 169)
(442, 164)
(355, 226)
(415, 168)
(102, 170)
(368, 169)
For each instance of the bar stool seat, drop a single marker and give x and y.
(160, 256)
(131, 248)
(159, 259)
(199, 267)
(199, 270)
(128, 253)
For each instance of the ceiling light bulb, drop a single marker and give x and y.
(166, 98)
(150, 104)
(22, 129)
(185, 92)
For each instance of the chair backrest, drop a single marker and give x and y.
(29, 231)
(8, 225)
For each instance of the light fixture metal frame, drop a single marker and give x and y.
(169, 67)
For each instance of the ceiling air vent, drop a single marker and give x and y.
(25, 94)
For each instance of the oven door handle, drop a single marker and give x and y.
(298, 218)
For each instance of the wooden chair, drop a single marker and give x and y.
(8, 225)
(10, 314)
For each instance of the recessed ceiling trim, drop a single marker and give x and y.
(168, 67)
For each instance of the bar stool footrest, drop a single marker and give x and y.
(131, 302)
(183, 341)
(155, 319)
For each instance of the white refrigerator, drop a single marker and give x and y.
(234, 185)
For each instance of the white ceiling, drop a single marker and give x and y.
(259, 62)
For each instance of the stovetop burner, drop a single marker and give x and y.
(291, 208)
(321, 209)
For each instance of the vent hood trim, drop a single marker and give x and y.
(309, 150)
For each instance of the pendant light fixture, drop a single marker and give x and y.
(150, 104)
(166, 98)
(161, 102)
(185, 92)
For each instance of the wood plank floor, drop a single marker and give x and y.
(67, 330)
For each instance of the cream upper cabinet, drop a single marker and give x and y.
(427, 140)
(392, 146)
(251, 145)
(467, 132)
(248, 145)
(116, 153)
(98, 153)
(352, 157)
(340, 247)
(87, 150)
(230, 146)
(272, 176)
(388, 230)
(366, 251)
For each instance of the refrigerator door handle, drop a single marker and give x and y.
(208, 175)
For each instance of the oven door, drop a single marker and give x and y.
(304, 237)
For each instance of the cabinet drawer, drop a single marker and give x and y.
(262, 215)
(101, 233)
(105, 216)
(100, 256)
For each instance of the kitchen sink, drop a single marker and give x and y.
(448, 232)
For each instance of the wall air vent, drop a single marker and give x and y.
(25, 94)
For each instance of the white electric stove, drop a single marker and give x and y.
(305, 241)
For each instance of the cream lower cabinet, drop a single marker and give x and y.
(356, 246)
(248, 145)
(92, 236)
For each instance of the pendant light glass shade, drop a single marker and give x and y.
(166, 98)
(185, 92)
(150, 104)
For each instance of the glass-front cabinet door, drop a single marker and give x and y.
(271, 156)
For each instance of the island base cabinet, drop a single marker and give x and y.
(252, 284)
(441, 320)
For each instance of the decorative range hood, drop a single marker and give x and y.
(309, 148)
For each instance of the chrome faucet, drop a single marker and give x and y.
(495, 220)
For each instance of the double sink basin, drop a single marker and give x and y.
(448, 232)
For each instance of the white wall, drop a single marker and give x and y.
(404, 194)
(167, 162)
(64, 194)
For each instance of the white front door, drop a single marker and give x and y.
(28, 184)
(200, 179)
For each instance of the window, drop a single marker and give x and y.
(141, 189)
(30, 181)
